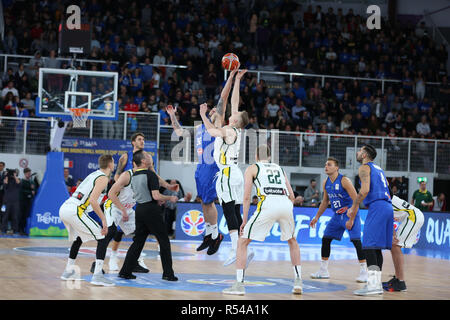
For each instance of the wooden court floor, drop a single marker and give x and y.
(31, 277)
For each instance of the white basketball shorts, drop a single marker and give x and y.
(269, 210)
(114, 215)
(79, 224)
(230, 185)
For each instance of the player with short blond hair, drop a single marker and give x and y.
(275, 205)
(82, 228)
(230, 181)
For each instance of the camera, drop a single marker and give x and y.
(10, 173)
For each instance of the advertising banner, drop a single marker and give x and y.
(191, 224)
(81, 154)
(434, 234)
(44, 218)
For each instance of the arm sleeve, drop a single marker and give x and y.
(152, 180)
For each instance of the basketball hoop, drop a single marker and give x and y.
(79, 116)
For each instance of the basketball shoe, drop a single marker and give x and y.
(236, 289)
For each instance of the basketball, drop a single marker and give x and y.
(230, 61)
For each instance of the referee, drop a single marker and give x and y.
(149, 217)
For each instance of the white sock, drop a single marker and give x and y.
(363, 265)
(98, 266)
(297, 271)
(114, 253)
(234, 239)
(324, 264)
(70, 263)
(240, 275)
(214, 231)
(207, 228)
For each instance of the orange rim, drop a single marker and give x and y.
(78, 112)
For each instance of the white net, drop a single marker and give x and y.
(79, 117)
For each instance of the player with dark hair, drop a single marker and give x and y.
(341, 193)
(378, 227)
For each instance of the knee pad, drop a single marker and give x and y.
(118, 236)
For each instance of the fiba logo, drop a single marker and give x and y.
(396, 224)
(193, 223)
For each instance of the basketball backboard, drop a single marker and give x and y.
(63, 89)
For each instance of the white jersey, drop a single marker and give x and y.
(81, 196)
(270, 180)
(126, 195)
(225, 154)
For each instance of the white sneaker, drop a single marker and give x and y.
(372, 287)
(362, 278)
(70, 275)
(113, 266)
(236, 289)
(321, 274)
(250, 256)
(366, 291)
(231, 258)
(101, 280)
(298, 286)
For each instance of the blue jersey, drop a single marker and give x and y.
(129, 164)
(207, 167)
(379, 189)
(204, 144)
(339, 198)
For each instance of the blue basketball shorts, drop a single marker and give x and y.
(206, 186)
(378, 228)
(336, 227)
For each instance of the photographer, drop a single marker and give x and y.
(11, 186)
(27, 193)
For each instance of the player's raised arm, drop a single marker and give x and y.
(249, 175)
(122, 163)
(223, 100)
(100, 184)
(364, 176)
(173, 119)
(236, 88)
(113, 193)
(323, 206)
(212, 130)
